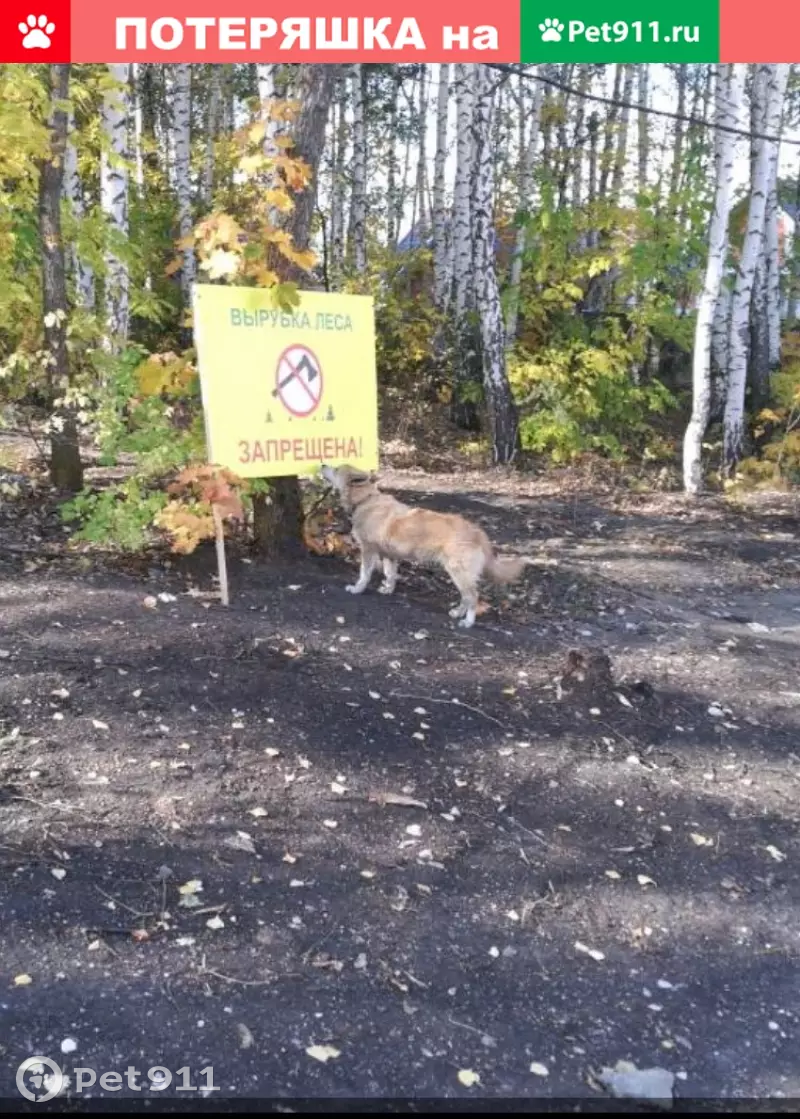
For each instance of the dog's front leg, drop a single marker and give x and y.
(389, 576)
(368, 563)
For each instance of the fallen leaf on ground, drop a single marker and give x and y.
(701, 840)
(593, 952)
(215, 923)
(245, 1036)
(399, 799)
(22, 980)
(468, 1078)
(323, 1053)
(776, 854)
(625, 1080)
(539, 1069)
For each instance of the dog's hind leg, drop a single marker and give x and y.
(389, 576)
(369, 561)
(467, 583)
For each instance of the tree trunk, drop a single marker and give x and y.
(213, 128)
(441, 257)
(338, 189)
(730, 86)
(66, 469)
(392, 191)
(773, 275)
(278, 516)
(680, 131)
(82, 272)
(528, 143)
(422, 156)
(643, 137)
(466, 375)
(609, 133)
(114, 203)
(503, 419)
(770, 84)
(182, 129)
(358, 206)
(622, 140)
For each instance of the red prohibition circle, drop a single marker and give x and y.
(281, 384)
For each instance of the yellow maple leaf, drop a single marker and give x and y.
(221, 264)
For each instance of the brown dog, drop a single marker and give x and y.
(387, 532)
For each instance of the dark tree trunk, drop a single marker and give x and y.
(278, 516)
(66, 469)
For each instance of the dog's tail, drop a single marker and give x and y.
(506, 569)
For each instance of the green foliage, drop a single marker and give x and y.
(406, 322)
(578, 397)
(778, 430)
(121, 516)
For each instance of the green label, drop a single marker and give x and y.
(620, 31)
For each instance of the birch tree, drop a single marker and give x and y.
(114, 203)
(393, 217)
(622, 134)
(503, 419)
(422, 153)
(213, 128)
(773, 273)
(530, 113)
(643, 125)
(337, 196)
(66, 471)
(441, 259)
(464, 410)
(770, 84)
(82, 272)
(729, 92)
(358, 204)
(182, 127)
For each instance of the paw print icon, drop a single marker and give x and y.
(36, 32)
(551, 30)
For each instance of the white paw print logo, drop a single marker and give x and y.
(551, 31)
(36, 33)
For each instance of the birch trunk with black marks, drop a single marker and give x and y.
(730, 86)
(393, 218)
(182, 128)
(530, 115)
(770, 84)
(622, 135)
(441, 255)
(66, 469)
(772, 256)
(643, 134)
(114, 204)
(609, 133)
(466, 374)
(422, 157)
(676, 170)
(338, 184)
(358, 203)
(579, 138)
(278, 516)
(213, 129)
(758, 356)
(82, 272)
(500, 406)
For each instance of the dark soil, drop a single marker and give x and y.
(603, 863)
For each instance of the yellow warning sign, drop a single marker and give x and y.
(284, 391)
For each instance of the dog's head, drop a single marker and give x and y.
(352, 485)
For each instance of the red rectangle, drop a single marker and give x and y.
(259, 31)
(35, 31)
(769, 34)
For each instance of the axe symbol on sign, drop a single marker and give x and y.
(304, 365)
